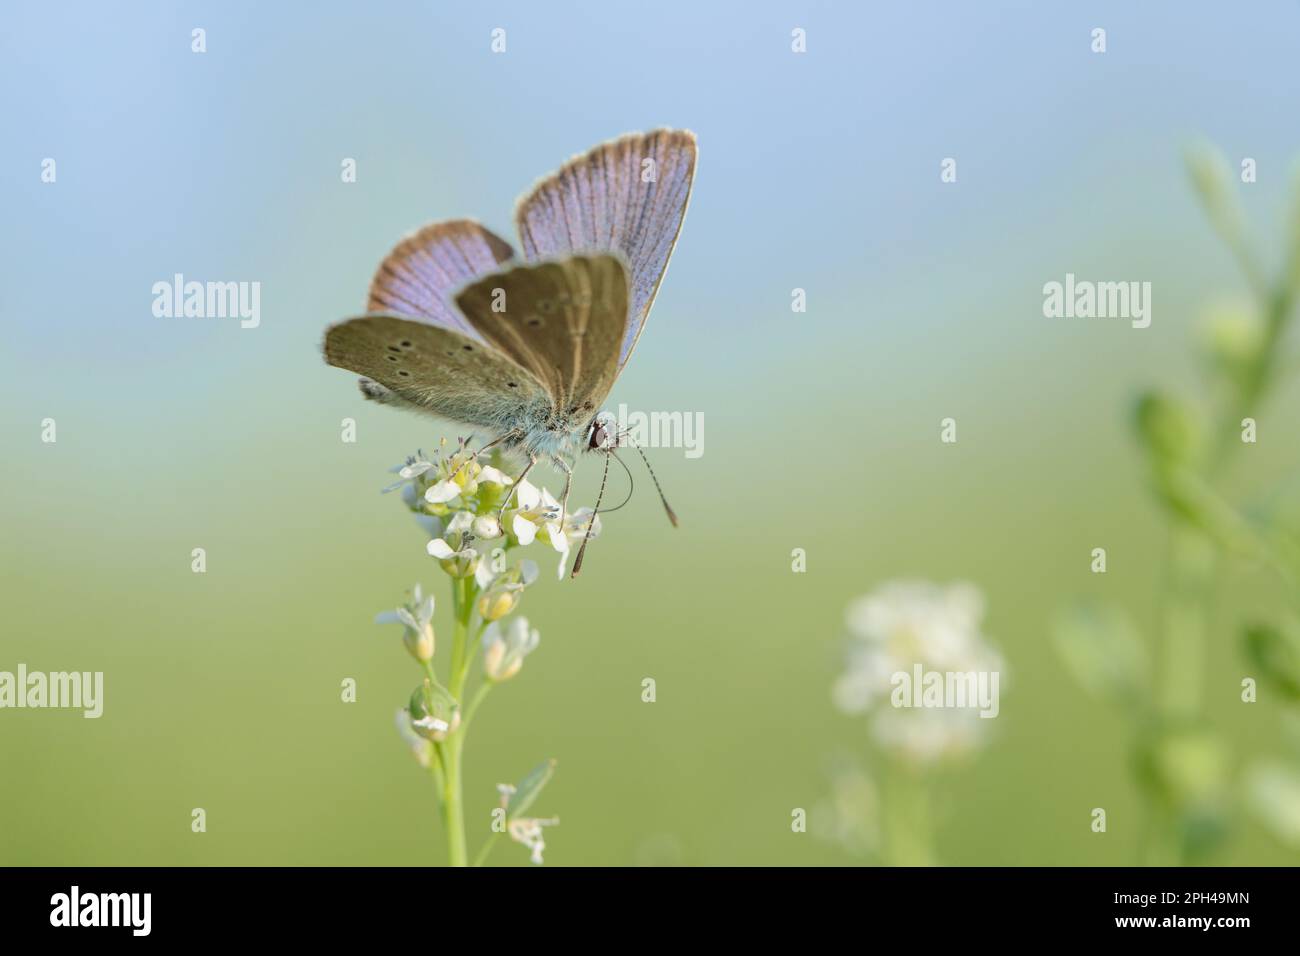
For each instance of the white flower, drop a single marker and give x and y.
(504, 649)
(897, 628)
(528, 831)
(455, 550)
(536, 508)
(414, 467)
(442, 492)
(573, 532)
(416, 618)
(525, 830)
(486, 527)
(495, 476)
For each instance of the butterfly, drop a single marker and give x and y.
(527, 349)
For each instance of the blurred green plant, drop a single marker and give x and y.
(1181, 766)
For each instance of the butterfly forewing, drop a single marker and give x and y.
(564, 321)
(417, 278)
(442, 371)
(629, 196)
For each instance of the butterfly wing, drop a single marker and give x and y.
(437, 369)
(564, 321)
(417, 278)
(603, 202)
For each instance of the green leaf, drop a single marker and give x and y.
(1276, 652)
(1102, 648)
(529, 788)
(1212, 177)
(1168, 429)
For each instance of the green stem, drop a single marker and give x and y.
(463, 602)
(908, 837)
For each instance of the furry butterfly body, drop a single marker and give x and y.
(527, 351)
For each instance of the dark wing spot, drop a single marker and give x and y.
(405, 343)
(468, 348)
(391, 358)
(394, 348)
(404, 373)
(512, 384)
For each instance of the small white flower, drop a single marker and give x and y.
(486, 527)
(536, 508)
(573, 532)
(495, 476)
(442, 492)
(528, 831)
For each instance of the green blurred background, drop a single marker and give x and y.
(817, 171)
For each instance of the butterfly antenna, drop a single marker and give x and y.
(577, 562)
(631, 485)
(672, 515)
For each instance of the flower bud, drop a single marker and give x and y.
(420, 642)
(434, 712)
(499, 600)
(504, 648)
(486, 527)
(460, 563)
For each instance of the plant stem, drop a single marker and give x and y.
(463, 603)
(908, 840)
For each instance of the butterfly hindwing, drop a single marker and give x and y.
(437, 369)
(417, 277)
(564, 321)
(628, 196)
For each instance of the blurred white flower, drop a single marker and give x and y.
(525, 830)
(902, 625)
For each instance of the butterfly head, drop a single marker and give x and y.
(601, 433)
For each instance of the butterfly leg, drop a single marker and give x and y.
(510, 493)
(568, 483)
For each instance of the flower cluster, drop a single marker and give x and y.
(475, 514)
(894, 629)
(472, 510)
